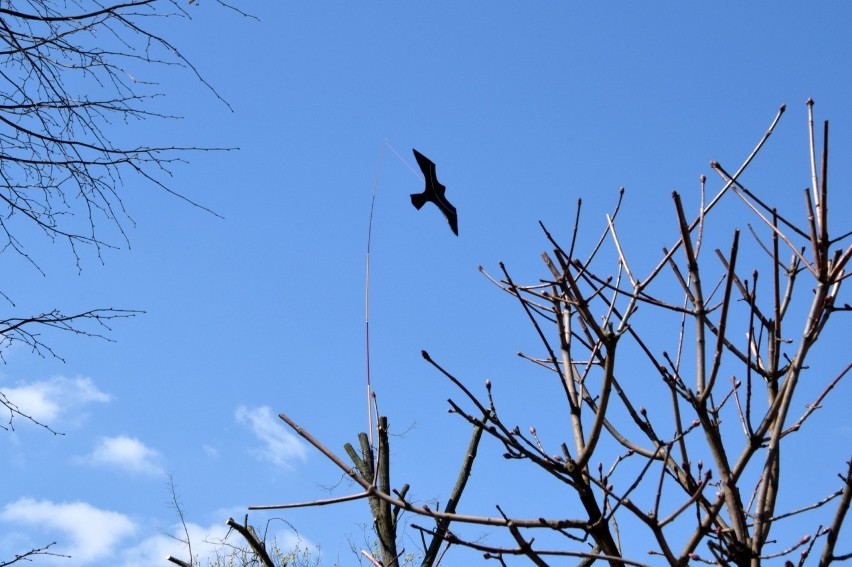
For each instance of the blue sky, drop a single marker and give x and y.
(523, 109)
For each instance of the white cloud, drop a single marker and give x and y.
(210, 451)
(49, 400)
(93, 536)
(87, 533)
(207, 544)
(280, 447)
(126, 453)
(153, 550)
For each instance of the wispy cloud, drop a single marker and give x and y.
(154, 549)
(210, 451)
(125, 453)
(50, 400)
(279, 446)
(209, 545)
(87, 533)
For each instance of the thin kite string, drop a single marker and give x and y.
(418, 174)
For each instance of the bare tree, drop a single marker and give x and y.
(71, 71)
(677, 389)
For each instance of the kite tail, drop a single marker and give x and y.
(422, 201)
(367, 300)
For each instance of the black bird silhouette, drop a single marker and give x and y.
(434, 192)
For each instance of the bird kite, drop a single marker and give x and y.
(434, 192)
